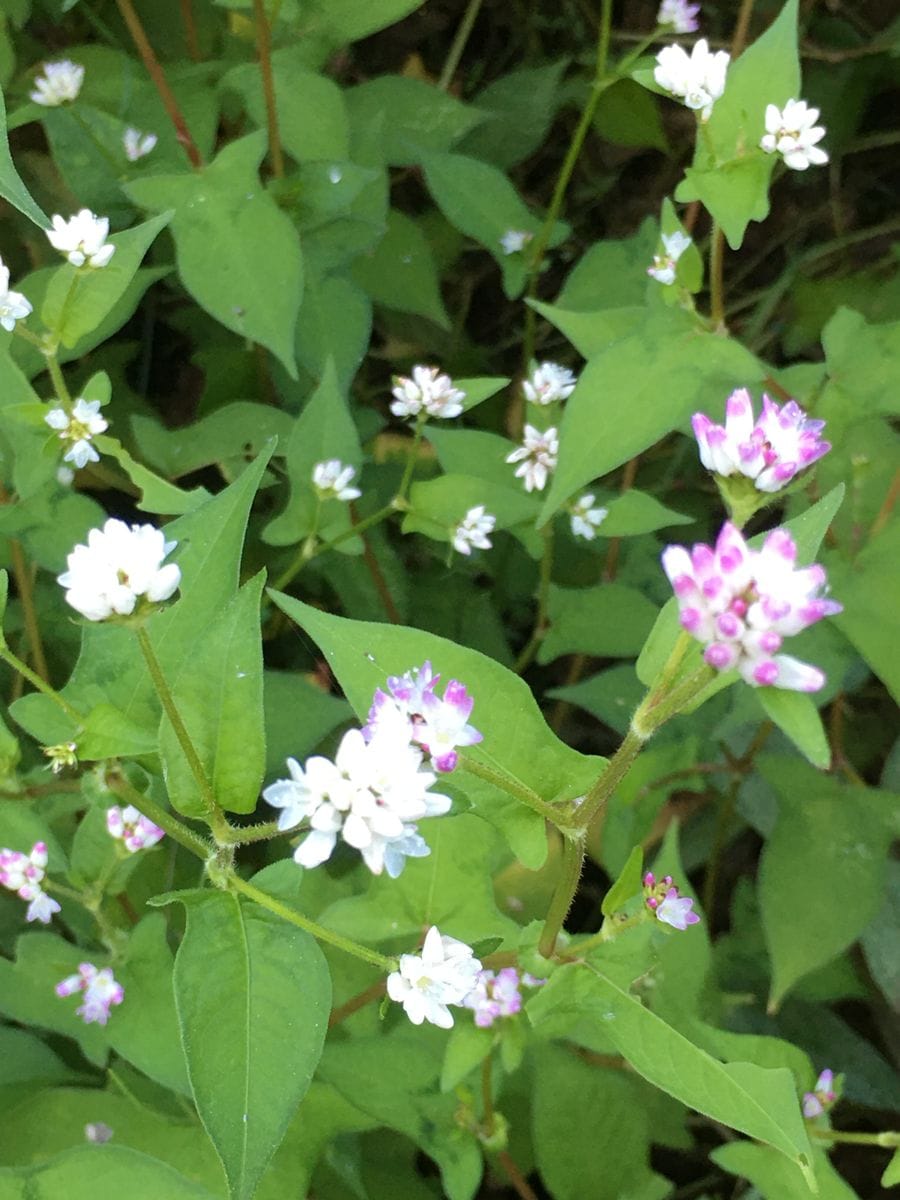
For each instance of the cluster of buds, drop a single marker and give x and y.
(82, 239)
(697, 79)
(332, 478)
(429, 392)
(495, 996)
(23, 874)
(13, 305)
(120, 568)
(62, 756)
(664, 266)
(99, 988)
(742, 603)
(824, 1095)
(771, 450)
(443, 974)
(666, 903)
(549, 383)
(472, 531)
(77, 428)
(379, 784)
(132, 828)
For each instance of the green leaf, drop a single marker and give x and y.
(110, 668)
(324, 430)
(634, 513)
(312, 120)
(760, 1103)
(609, 621)
(219, 696)
(797, 717)
(629, 116)
(231, 241)
(467, 1047)
(418, 117)
(437, 505)
(611, 273)
(517, 741)
(480, 201)
(866, 588)
(518, 109)
(235, 431)
(627, 885)
(157, 495)
(823, 870)
(891, 1176)
(79, 299)
(253, 997)
(777, 1179)
(400, 272)
(123, 1172)
(335, 323)
(298, 715)
(667, 368)
(11, 186)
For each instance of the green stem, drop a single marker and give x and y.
(35, 680)
(566, 887)
(56, 376)
(889, 1138)
(609, 779)
(716, 278)
(487, 1096)
(411, 458)
(540, 624)
(318, 931)
(213, 813)
(243, 835)
(515, 788)
(309, 550)
(463, 31)
(264, 49)
(179, 833)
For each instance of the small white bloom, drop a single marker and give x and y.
(515, 240)
(97, 1132)
(60, 84)
(443, 974)
(473, 530)
(427, 390)
(82, 239)
(537, 456)
(65, 476)
(331, 480)
(585, 518)
(698, 78)
(100, 988)
(136, 144)
(679, 15)
(120, 565)
(663, 268)
(78, 427)
(549, 382)
(13, 305)
(793, 132)
(130, 826)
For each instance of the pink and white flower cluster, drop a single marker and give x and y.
(666, 903)
(428, 392)
(822, 1097)
(443, 974)
(679, 16)
(23, 874)
(495, 996)
(742, 603)
(549, 382)
(99, 988)
(132, 828)
(379, 784)
(770, 450)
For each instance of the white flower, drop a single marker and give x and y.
(444, 973)
(793, 132)
(697, 78)
(136, 144)
(585, 518)
(679, 15)
(473, 529)
(78, 427)
(515, 240)
(537, 456)
(131, 827)
(101, 992)
(97, 1132)
(674, 245)
(427, 390)
(549, 382)
(13, 305)
(120, 565)
(331, 480)
(82, 239)
(436, 723)
(23, 874)
(60, 84)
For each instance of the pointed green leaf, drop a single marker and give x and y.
(627, 885)
(797, 717)
(11, 186)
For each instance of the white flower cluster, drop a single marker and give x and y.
(137, 145)
(132, 828)
(82, 239)
(585, 518)
(379, 784)
(99, 988)
(549, 382)
(23, 874)
(697, 79)
(332, 478)
(428, 391)
(120, 566)
(663, 267)
(79, 426)
(514, 241)
(473, 529)
(537, 457)
(794, 134)
(60, 84)
(13, 305)
(444, 973)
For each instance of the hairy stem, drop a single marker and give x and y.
(36, 681)
(264, 49)
(174, 828)
(889, 1137)
(566, 887)
(515, 788)
(156, 73)
(610, 778)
